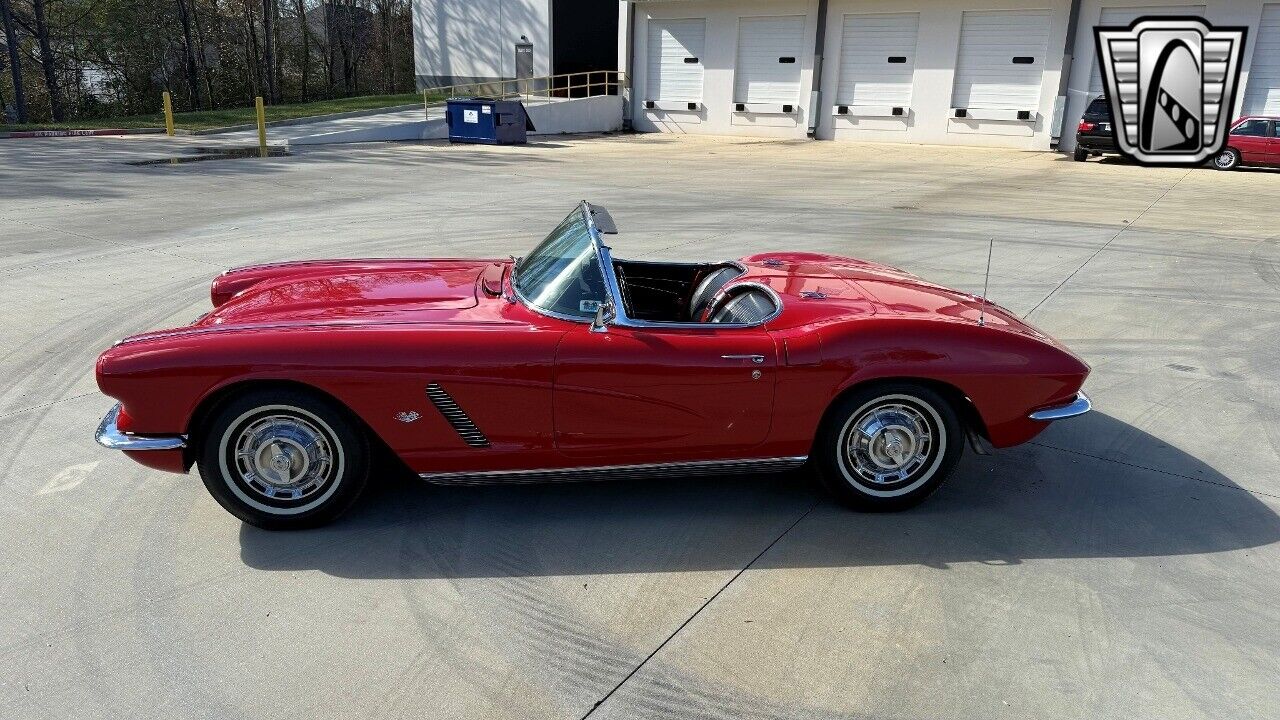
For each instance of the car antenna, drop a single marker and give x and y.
(986, 281)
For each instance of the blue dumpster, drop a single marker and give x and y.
(489, 121)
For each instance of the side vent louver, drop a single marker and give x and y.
(454, 415)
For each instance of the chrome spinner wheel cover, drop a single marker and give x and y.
(888, 443)
(281, 459)
(891, 445)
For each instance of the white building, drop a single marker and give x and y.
(1012, 73)
(462, 41)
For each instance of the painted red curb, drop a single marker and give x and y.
(78, 133)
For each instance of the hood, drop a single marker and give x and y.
(344, 291)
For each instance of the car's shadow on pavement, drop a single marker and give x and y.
(1110, 159)
(1031, 502)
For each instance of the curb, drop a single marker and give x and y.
(309, 119)
(20, 134)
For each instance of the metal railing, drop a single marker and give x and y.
(547, 88)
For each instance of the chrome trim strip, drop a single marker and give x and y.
(618, 472)
(624, 321)
(110, 436)
(1079, 406)
(457, 418)
(303, 325)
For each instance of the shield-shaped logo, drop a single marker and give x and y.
(1171, 83)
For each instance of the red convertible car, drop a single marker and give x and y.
(569, 364)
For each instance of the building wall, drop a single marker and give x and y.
(930, 118)
(1218, 12)
(465, 40)
(937, 48)
(457, 41)
(717, 116)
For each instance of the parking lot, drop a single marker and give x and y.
(1123, 565)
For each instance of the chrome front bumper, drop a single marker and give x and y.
(110, 436)
(1079, 406)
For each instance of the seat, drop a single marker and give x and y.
(747, 308)
(707, 289)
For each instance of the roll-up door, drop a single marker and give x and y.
(675, 59)
(768, 67)
(1263, 94)
(1001, 62)
(1121, 17)
(877, 59)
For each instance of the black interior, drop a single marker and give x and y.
(684, 292)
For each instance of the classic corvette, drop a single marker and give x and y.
(569, 364)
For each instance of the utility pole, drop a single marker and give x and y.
(15, 61)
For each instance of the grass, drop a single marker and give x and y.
(207, 119)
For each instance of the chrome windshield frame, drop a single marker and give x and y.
(604, 259)
(533, 307)
(605, 255)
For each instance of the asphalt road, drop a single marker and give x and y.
(1123, 565)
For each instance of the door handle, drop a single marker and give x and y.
(757, 359)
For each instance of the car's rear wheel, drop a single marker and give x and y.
(888, 446)
(1228, 159)
(283, 459)
(1081, 154)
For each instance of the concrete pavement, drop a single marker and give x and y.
(1123, 565)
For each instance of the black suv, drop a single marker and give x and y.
(1095, 135)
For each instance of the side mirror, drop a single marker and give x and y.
(604, 316)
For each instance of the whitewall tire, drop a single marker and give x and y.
(283, 459)
(888, 446)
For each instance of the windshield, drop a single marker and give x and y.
(562, 274)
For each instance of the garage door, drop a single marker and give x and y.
(1263, 94)
(1121, 17)
(675, 59)
(768, 69)
(877, 59)
(1001, 63)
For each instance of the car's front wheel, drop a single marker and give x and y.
(283, 459)
(888, 446)
(1228, 159)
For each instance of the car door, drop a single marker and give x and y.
(644, 394)
(1250, 138)
(1273, 145)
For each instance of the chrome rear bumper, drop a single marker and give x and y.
(110, 436)
(1079, 406)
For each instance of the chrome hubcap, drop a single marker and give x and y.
(888, 442)
(1225, 159)
(283, 457)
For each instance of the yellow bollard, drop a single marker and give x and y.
(262, 127)
(168, 113)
